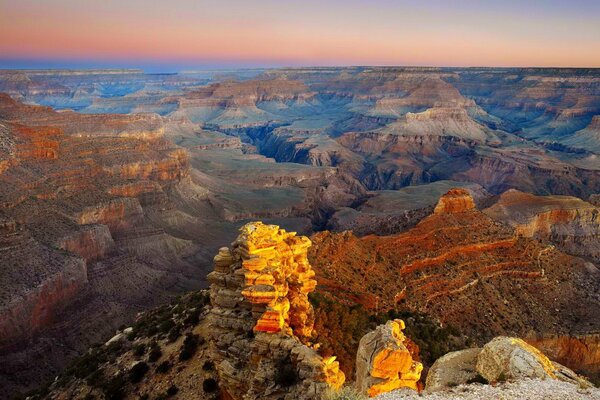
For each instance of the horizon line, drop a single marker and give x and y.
(191, 70)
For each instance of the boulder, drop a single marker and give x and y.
(452, 369)
(511, 358)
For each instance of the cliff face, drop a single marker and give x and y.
(38, 282)
(568, 222)
(579, 352)
(260, 285)
(79, 194)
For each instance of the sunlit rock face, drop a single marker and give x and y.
(384, 363)
(455, 201)
(281, 291)
(263, 321)
(568, 222)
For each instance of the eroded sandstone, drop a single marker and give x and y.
(262, 320)
(384, 363)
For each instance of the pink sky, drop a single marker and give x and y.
(351, 32)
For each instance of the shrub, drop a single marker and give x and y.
(96, 378)
(137, 372)
(208, 366)
(166, 325)
(155, 352)
(163, 367)
(174, 334)
(172, 390)
(113, 389)
(189, 347)
(210, 385)
(193, 318)
(139, 349)
(286, 374)
(478, 379)
(502, 377)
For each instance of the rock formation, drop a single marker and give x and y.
(455, 201)
(579, 352)
(384, 363)
(511, 358)
(465, 269)
(452, 369)
(87, 202)
(568, 222)
(262, 321)
(501, 359)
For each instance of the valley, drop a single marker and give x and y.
(449, 192)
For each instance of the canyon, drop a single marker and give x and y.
(465, 194)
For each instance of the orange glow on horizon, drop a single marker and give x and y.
(66, 30)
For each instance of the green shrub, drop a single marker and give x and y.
(172, 390)
(478, 379)
(113, 389)
(174, 334)
(166, 325)
(210, 385)
(163, 367)
(137, 372)
(192, 318)
(96, 378)
(502, 377)
(189, 347)
(139, 349)
(155, 352)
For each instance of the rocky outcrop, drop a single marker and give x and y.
(391, 212)
(262, 321)
(38, 282)
(91, 242)
(568, 222)
(455, 201)
(384, 363)
(454, 122)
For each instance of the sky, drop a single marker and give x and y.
(171, 35)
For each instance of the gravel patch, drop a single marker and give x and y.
(519, 390)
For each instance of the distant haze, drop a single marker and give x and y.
(179, 34)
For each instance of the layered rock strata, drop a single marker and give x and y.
(262, 321)
(384, 363)
(568, 222)
(465, 269)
